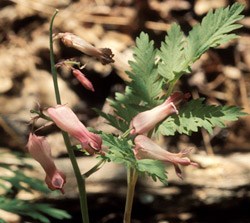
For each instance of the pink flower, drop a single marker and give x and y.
(145, 121)
(67, 121)
(83, 80)
(145, 148)
(40, 150)
(105, 55)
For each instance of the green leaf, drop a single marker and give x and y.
(142, 91)
(171, 53)
(195, 114)
(144, 76)
(212, 32)
(22, 182)
(33, 210)
(119, 150)
(114, 121)
(153, 168)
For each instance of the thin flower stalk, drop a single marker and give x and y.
(79, 179)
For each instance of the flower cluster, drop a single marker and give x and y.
(145, 121)
(40, 150)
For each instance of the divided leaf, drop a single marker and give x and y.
(143, 90)
(153, 168)
(38, 212)
(119, 150)
(196, 115)
(144, 76)
(171, 53)
(213, 31)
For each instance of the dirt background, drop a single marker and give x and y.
(216, 192)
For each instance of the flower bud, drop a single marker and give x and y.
(66, 120)
(40, 150)
(83, 80)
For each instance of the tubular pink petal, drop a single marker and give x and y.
(145, 148)
(145, 121)
(40, 150)
(67, 121)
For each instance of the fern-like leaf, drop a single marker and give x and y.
(144, 75)
(171, 53)
(196, 115)
(213, 31)
(33, 210)
(119, 150)
(153, 168)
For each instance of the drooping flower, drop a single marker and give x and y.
(40, 150)
(67, 121)
(145, 148)
(105, 55)
(83, 80)
(145, 121)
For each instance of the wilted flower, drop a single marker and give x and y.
(145, 121)
(145, 148)
(105, 55)
(40, 150)
(83, 80)
(67, 120)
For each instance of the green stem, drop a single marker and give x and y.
(131, 179)
(79, 179)
(94, 169)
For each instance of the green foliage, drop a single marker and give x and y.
(196, 114)
(20, 181)
(145, 81)
(153, 71)
(213, 31)
(177, 54)
(33, 210)
(143, 91)
(119, 150)
(153, 168)
(171, 53)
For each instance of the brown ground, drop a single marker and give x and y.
(219, 191)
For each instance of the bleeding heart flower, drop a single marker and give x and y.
(145, 148)
(67, 121)
(40, 150)
(145, 121)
